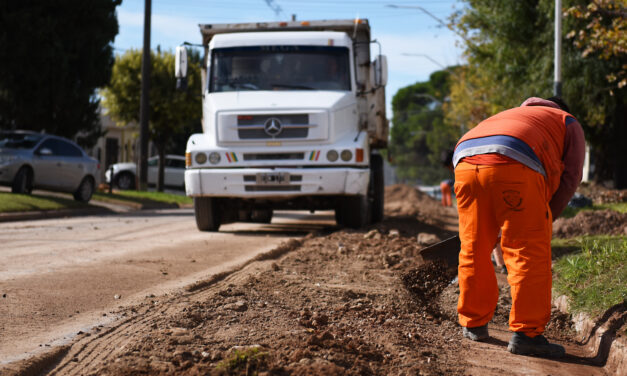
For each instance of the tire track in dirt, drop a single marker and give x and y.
(95, 350)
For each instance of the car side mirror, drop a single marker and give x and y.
(180, 67)
(44, 152)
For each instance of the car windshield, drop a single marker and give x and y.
(13, 140)
(280, 68)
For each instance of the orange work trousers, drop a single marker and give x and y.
(513, 198)
(445, 189)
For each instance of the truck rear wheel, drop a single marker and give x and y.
(376, 190)
(207, 213)
(353, 211)
(261, 216)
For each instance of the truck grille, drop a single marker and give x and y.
(272, 188)
(261, 127)
(273, 156)
(253, 178)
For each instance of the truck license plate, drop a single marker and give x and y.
(271, 178)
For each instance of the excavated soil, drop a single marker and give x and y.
(338, 303)
(588, 222)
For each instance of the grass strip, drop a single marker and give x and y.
(14, 202)
(594, 277)
(143, 198)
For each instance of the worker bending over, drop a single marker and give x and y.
(514, 172)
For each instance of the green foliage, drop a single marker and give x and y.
(174, 115)
(249, 360)
(419, 135)
(595, 278)
(509, 50)
(54, 55)
(11, 202)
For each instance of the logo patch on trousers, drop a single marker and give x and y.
(513, 200)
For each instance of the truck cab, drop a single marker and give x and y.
(292, 116)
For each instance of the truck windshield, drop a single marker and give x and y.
(280, 68)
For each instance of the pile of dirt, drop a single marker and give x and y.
(591, 222)
(601, 195)
(334, 306)
(402, 200)
(343, 303)
(427, 281)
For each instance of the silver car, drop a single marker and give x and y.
(31, 160)
(124, 174)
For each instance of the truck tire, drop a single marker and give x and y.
(207, 213)
(376, 189)
(23, 181)
(354, 212)
(261, 216)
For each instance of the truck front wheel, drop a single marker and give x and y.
(376, 190)
(207, 213)
(353, 211)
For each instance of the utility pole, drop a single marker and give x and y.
(144, 104)
(557, 85)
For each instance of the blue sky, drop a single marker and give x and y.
(399, 30)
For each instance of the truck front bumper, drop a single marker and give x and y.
(254, 182)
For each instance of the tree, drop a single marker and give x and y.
(54, 55)
(419, 135)
(173, 114)
(508, 46)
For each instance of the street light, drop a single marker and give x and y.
(432, 16)
(427, 57)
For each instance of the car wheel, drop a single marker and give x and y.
(23, 181)
(125, 180)
(85, 190)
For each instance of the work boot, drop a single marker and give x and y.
(521, 344)
(478, 333)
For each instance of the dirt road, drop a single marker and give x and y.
(341, 302)
(61, 276)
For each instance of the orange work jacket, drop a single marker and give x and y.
(531, 135)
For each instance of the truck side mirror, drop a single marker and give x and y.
(379, 71)
(180, 67)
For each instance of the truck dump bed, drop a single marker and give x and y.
(358, 29)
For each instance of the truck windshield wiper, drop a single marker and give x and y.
(288, 86)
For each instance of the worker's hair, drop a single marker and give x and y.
(560, 102)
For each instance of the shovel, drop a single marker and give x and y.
(447, 250)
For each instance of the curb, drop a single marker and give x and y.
(48, 214)
(600, 340)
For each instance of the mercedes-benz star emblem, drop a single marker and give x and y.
(272, 127)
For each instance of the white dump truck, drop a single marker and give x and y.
(293, 116)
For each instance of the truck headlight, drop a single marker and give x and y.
(214, 158)
(332, 155)
(201, 158)
(346, 155)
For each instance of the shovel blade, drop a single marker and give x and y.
(447, 250)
